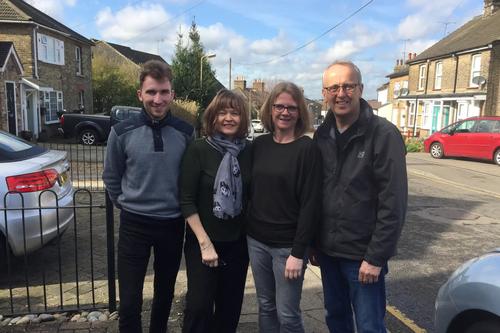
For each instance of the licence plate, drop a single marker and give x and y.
(63, 178)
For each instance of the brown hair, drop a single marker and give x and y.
(158, 70)
(226, 99)
(266, 112)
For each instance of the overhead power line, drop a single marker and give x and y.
(312, 41)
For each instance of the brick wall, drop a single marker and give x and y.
(21, 35)
(492, 105)
(11, 73)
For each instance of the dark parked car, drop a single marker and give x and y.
(92, 128)
(477, 137)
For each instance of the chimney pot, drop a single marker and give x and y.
(414, 55)
(397, 62)
(409, 56)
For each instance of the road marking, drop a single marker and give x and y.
(455, 185)
(402, 318)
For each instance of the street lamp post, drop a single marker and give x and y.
(209, 55)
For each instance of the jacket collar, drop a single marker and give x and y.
(365, 116)
(154, 123)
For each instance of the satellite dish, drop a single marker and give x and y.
(479, 80)
(404, 92)
(396, 93)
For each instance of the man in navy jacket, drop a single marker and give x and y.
(365, 196)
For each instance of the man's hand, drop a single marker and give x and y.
(293, 269)
(368, 273)
(313, 256)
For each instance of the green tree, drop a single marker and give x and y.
(186, 64)
(113, 84)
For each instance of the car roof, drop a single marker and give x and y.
(13, 148)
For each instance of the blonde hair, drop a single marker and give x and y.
(266, 112)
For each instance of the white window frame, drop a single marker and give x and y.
(53, 102)
(396, 89)
(463, 110)
(81, 99)
(439, 75)
(78, 58)
(427, 115)
(475, 69)
(421, 78)
(50, 50)
(411, 115)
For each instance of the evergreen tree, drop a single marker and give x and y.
(186, 69)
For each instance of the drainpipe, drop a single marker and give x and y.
(456, 73)
(416, 117)
(35, 55)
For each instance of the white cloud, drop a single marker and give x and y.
(276, 46)
(342, 49)
(70, 3)
(53, 8)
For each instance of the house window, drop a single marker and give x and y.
(421, 78)
(80, 99)
(50, 50)
(53, 102)
(427, 115)
(439, 75)
(476, 69)
(463, 110)
(411, 115)
(396, 89)
(78, 58)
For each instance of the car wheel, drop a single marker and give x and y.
(88, 137)
(436, 150)
(496, 156)
(485, 326)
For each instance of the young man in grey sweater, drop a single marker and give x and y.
(141, 171)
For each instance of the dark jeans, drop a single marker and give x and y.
(134, 249)
(343, 293)
(222, 286)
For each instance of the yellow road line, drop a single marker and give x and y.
(402, 318)
(452, 184)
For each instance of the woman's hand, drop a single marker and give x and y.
(293, 269)
(209, 256)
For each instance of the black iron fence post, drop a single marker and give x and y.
(110, 232)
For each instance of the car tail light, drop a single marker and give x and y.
(62, 120)
(32, 182)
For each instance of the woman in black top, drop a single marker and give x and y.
(214, 186)
(286, 192)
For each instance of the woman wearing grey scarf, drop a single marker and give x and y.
(214, 186)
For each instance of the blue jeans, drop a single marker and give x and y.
(279, 300)
(343, 293)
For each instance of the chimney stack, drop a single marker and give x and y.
(399, 66)
(240, 82)
(491, 7)
(258, 84)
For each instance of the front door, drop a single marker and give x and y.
(446, 116)
(435, 114)
(11, 107)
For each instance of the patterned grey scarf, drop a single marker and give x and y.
(228, 185)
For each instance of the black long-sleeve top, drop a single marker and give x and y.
(286, 192)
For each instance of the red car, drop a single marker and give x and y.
(477, 137)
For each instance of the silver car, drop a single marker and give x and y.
(257, 125)
(41, 176)
(469, 302)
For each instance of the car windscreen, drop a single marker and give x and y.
(13, 148)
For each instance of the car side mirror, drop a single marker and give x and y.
(450, 133)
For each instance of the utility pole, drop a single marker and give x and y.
(404, 52)
(446, 25)
(229, 73)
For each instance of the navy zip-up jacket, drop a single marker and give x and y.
(365, 189)
(142, 165)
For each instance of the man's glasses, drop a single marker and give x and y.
(291, 109)
(348, 88)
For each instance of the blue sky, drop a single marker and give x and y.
(256, 34)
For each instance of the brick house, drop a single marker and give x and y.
(10, 74)
(398, 86)
(56, 62)
(122, 54)
(458, 77)
(255, 96)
